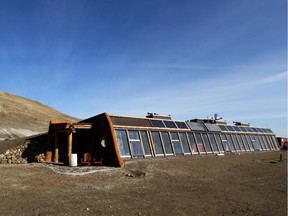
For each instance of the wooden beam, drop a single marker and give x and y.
(69, 143)
(56, 149)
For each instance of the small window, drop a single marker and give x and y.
(185, 144)
(193, 143)
(157, 144)
(103, 142)
(167, 143)
(176, 143)
(122, 142)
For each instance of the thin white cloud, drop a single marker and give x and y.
(184, 66)
(205, 97)
(265, 80)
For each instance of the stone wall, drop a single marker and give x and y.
(28, 152)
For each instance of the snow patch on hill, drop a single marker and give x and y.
(10, 133)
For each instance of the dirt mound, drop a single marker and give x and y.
(21, 117)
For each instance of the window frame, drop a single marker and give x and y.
(195, 142)
(154, 146)
(164, 145)
(212, 147)
(128, 144)
(172, 142)
(149, 143)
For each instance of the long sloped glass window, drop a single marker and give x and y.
(275, 147)
(265, 142)
(167, 143)
(230, 143)
(157, 144)
(219, 142)
(200, 143)
(225, 143)
(271, 146)
(256, 143)
(137, 150)
(213, 142)
(250, 143)
(193, 143)
(236, 143)
(145, 142)
(240, 142)
(266, 138)
(123, 143)
(275, 142)
(259, 142)
(245, 143)
(271, 142)
(176, 143)
(185, 144)
(207, 143)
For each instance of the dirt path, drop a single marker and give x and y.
(246, 184)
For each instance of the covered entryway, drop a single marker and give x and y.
(64, 138)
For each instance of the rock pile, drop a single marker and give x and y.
(13, 156)
(22, 154)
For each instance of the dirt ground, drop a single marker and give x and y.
(246, 184)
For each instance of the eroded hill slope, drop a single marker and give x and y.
(20, 117)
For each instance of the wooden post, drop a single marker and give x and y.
(56, 150)
(48, 155)
(69, 143)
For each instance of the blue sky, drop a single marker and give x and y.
(187, 58)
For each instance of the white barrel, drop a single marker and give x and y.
(73, 160)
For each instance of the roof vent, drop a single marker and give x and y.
(241, 124)
(158, 116)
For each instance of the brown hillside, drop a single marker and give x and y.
(20, 117)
